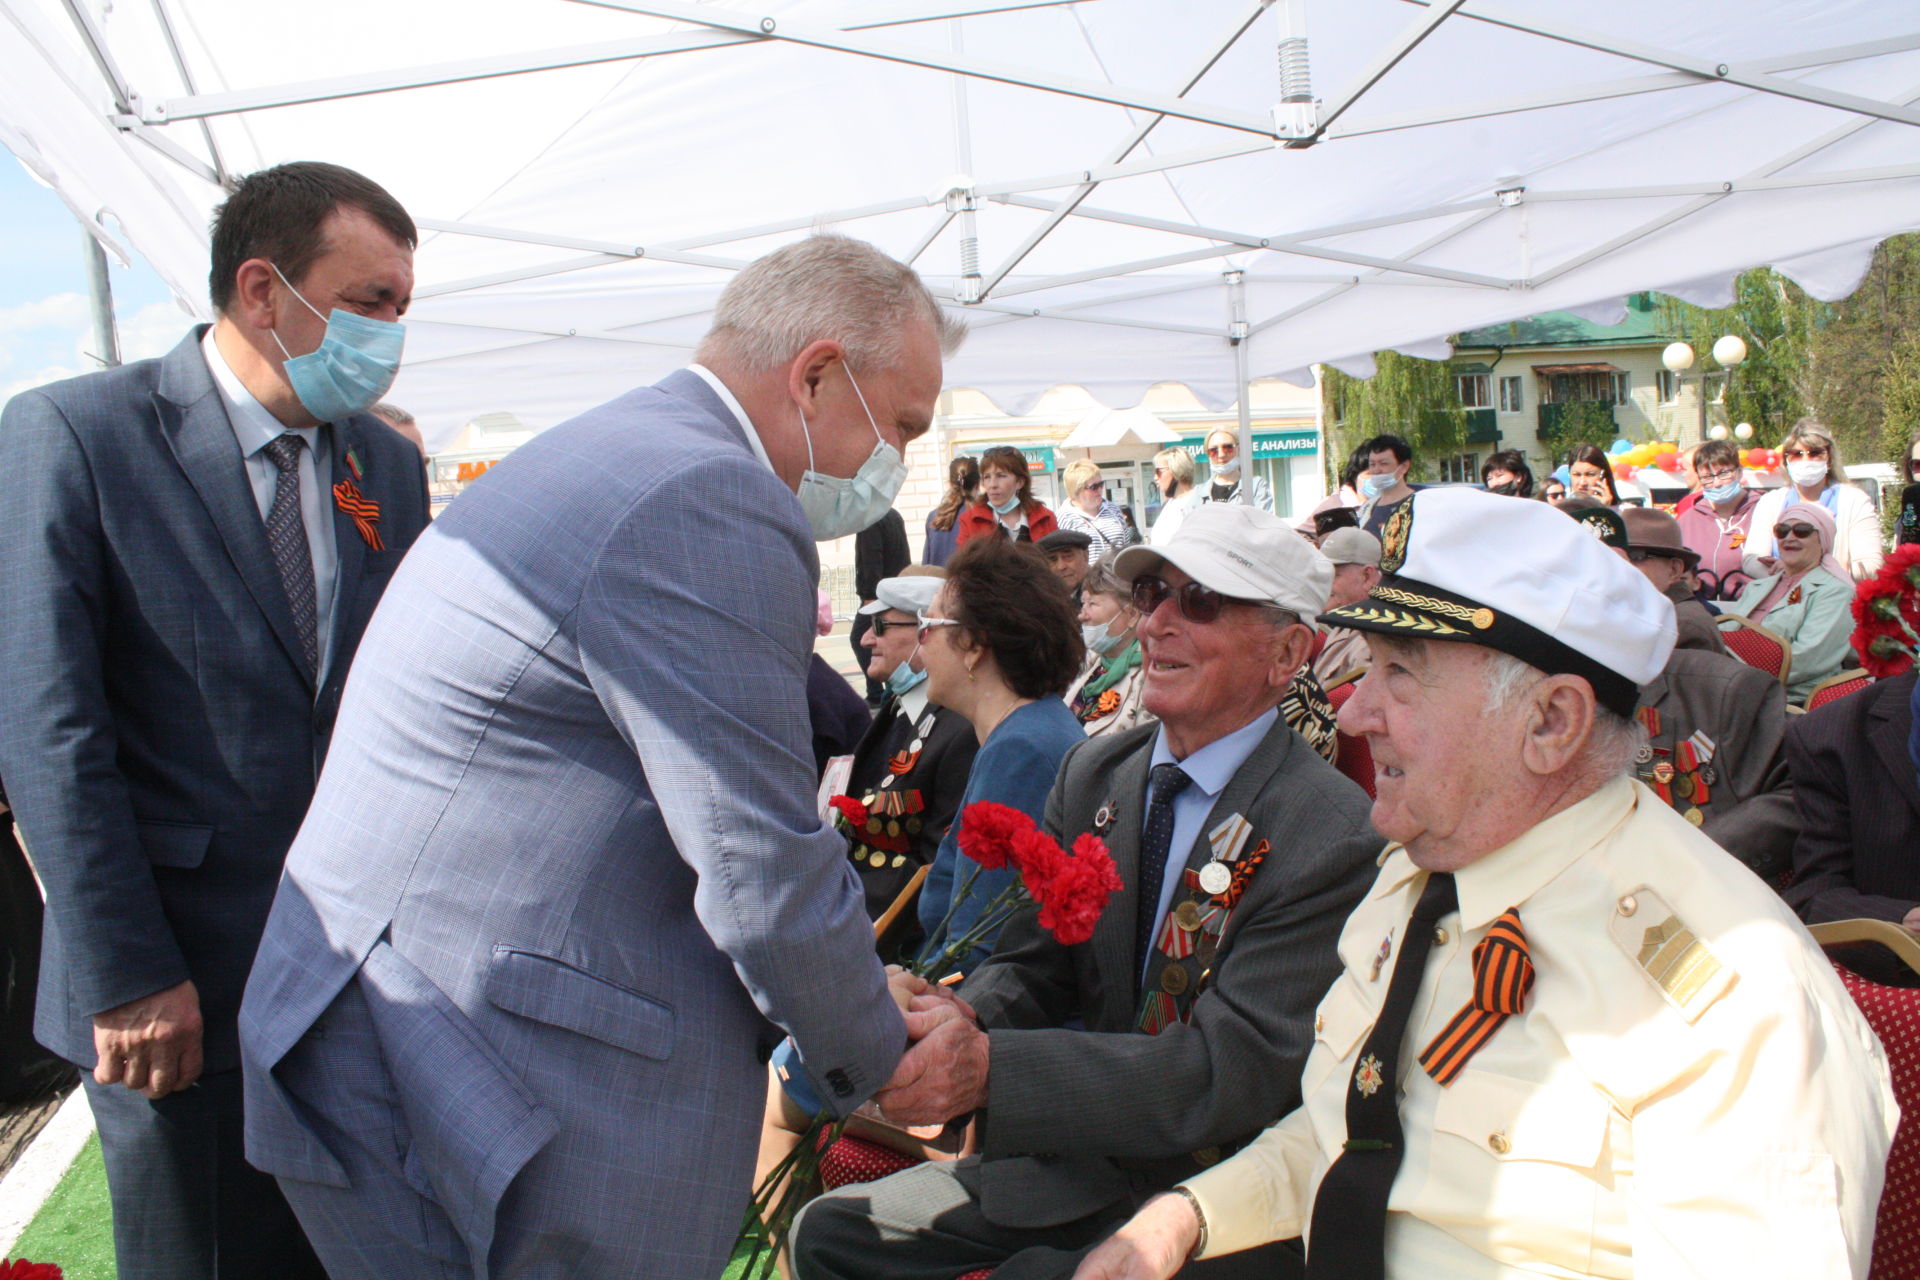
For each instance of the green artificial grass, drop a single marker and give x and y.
(74, 1228)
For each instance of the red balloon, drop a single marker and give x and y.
(1668, 462)
(1621, 471)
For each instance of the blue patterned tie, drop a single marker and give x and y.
(287, 534)
(1166, 782)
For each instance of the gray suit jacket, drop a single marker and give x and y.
(1078, 1119)
(161, 729)
(572, 788)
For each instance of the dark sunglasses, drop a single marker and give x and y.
(1197, 603)
(1795, 455)
(1094, 484)
(1640, 555)
(883, 625)
(1797, 530)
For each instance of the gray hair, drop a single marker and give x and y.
(826, 286)
(1615, 741)
(391, 413)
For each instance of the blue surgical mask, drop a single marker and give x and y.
(1723, 493)
(1005, 508)
(904, 677)
(836, 506)
(1373, 486)
(1228, 469)
(354, 365)
(1097, 639)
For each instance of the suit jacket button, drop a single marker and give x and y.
(838, 1080)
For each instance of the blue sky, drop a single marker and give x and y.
(45, 330)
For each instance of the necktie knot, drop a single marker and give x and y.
(1166, 782)
(284, 450)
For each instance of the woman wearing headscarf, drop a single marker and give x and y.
(1007, 505)
(1815, 474)
(1106, 696)
(1807, 601)
(1090, 512)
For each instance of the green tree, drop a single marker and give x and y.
(1580, 422)
(1863, 372)
(1772, 387)
(1405, 396)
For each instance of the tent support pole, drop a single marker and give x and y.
(106, 339)
(1243, 391)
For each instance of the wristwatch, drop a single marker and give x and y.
(1199, 1216)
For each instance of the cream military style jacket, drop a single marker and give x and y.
(1688, 1091)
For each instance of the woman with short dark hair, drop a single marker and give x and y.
(1007, 505)
(1718, 523)
(1507, 472)
(1000, 645)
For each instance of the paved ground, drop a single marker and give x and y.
(20, 1122)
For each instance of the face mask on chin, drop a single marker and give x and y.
(904, 677)
(1227, 470)
(1005, 508)
(354, 365)
(836, 506)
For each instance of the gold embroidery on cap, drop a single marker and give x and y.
(1405, 621)
(1481, 618)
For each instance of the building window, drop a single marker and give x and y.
(1464, 469)
(1669, 386)
(1622, 384)
(1510, 395)
(1473, 389)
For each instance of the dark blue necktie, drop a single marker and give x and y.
(1156, 838)
(287, 535)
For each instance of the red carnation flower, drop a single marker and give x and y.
(852, 810)
(21, 1269)
(987, 832)
(1878, 599)
(1884, 656)
(1073, 896)
(1903, 565)
(1037, 858)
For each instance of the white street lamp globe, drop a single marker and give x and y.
(1718, 431)
(1678, 357)
(1744, 431)
(1729, 350)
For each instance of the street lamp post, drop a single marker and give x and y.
(1728, 351)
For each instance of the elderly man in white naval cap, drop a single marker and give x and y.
(1572, 1037)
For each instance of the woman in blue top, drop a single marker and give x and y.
(1000, 644)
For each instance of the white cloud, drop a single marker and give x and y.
(153, 330)
(58, 311)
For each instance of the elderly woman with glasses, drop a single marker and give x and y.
(1000, 645)
(1815, 474)
(1106, 696)
(1807, 600)
(1223, 458)
(1090, 512)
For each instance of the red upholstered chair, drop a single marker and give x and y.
(1756, 646)
(1894, 1015)
(1353, 757)
(1833, 688)
(852, 1160)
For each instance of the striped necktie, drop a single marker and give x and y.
(287, 535)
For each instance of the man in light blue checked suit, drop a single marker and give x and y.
(563, 883)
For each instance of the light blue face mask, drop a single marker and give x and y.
(1097, 639)
(1373, 486)
(836, 506)
(1006, 508)
(354, 365)
(904, 677)
(1724, 493)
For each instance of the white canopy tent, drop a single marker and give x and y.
(1105, 427)
(1112, 190)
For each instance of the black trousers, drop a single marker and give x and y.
(26, 1070)
(186, 1204)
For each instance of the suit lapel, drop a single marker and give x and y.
(348, 546)
(194, 423)
(1892, 723)
(1125, 788)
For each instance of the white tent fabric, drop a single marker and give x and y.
(1098, 185)
(1105, 427)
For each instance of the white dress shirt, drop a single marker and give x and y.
(732, 402)
(255, 428)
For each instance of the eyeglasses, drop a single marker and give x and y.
(1197, 603)
(1640, 555)
(1714, 479)
(1096, 485)
(1795, 455)
(929, 622)
(883, 625)
(1220, 448)
(1797, 530)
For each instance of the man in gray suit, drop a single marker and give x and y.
(563, 884)
(1196, 993)
(192, 549)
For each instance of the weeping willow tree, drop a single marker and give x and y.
(1771, 388)
(1406, 397)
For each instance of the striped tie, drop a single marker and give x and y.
(1502, 977)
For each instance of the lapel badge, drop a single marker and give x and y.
(353, 464)
(1368, 1078)
(1380, 957)
(1103, 819)
(1229, 838)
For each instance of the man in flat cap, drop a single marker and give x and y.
(1355, 556)
(1104, 1072)
(1572, 1037)
(1066, 552)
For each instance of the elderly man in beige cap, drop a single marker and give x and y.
(1572, 1037)
(1103, 1072)
(1355, 556)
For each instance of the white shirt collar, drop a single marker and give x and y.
(253, 424)
(732, 402)
(913, 703)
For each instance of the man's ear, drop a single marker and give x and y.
(805, 372)
(1290, 649)
(253, 295)
(1560, 721)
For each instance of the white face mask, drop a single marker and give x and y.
(1807, 472)
(1229, 469)
(839, 505)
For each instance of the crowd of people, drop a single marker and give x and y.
(1462, 870)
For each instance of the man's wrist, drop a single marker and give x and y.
(1199, 1219)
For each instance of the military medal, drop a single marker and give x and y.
(1103, 819)
(1228, 839)
(1367, 1079)
(1695, 816)
(1174, 979)
(1215, 877)
(1187, 916)
(1380, 957)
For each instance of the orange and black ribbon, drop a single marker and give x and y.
(364, 510)
(1502, 976)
